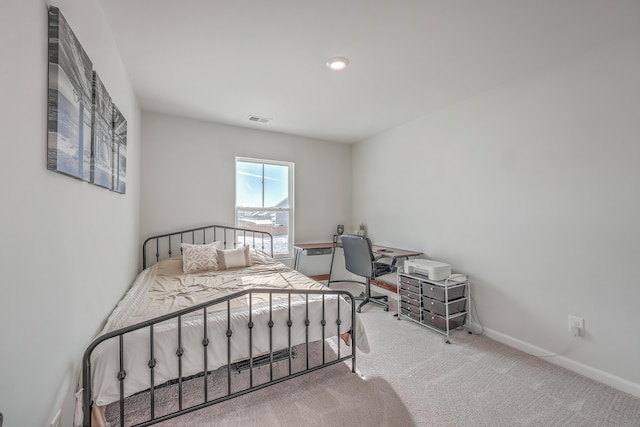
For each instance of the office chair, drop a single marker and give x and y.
(359, 260)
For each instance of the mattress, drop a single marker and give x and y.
(163, 289)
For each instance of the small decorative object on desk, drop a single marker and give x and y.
(340, 229)
(363, 230)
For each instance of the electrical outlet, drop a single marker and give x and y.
(576, 325)
(57, 420)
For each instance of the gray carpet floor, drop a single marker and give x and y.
(412, 377)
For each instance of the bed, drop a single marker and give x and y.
(211, 298)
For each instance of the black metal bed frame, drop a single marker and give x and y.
(250, 363)
(164, 246)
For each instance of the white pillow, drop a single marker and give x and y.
(259, 257)
(200, 257)
(232, 258)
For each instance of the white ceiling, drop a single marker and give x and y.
(222, 60)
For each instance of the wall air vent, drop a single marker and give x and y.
(258, 119)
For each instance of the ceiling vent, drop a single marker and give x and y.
(258, 119)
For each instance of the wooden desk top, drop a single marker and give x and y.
(393, 252)
(377, 249)
(304, 246)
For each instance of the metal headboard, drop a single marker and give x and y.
(162, 246)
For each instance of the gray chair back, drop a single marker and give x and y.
(358, 255)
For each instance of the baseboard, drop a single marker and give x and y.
(580, 368)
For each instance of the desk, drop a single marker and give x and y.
(311, 249)
(394, 254)
(327, 248)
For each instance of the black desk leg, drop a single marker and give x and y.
(296, 260)
(333, 254)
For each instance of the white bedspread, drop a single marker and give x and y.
(163, 288)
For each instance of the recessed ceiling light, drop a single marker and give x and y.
(337, 63)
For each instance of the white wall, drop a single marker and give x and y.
(532, 190)
(188, 177)
(69, 249)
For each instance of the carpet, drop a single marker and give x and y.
(412, 377)
(331, 396)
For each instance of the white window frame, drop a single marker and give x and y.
(290, 209)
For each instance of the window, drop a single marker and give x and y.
(264, 200)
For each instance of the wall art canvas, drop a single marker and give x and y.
(69, 101)
(102, 151)
(120, 151)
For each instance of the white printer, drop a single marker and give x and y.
(434, 270)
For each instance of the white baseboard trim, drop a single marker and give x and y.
(580, 368)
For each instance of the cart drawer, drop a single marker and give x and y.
(410, 287)
(412, 308)
(440, 308)
(410, 281)
(410, 299)
(439, 322)
(437, 292)
(409, 314)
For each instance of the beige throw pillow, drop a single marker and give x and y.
(200, 257)
(232, 258)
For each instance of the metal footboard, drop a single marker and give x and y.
(326, 331)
